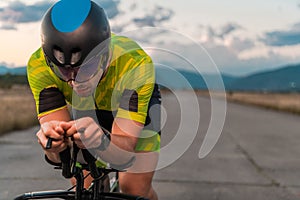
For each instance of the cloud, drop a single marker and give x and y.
(238, 53)
(283, 38)
(239, 44)
(234, 53)
(17, 12)
(228, 59)
(227, 34)
(133, 6)
(8, 27)
(223, 31)
(155, 17)
(232, 48)
(228, 28)
(230, 36)
(133, 15)
(252, 57)
(110, 7)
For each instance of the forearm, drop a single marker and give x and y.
(124, 138)
(120, 149)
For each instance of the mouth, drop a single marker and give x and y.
(81, 89)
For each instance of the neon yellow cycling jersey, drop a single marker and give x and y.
(124, 91)
(131, 69)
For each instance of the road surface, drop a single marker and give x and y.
(257, 157)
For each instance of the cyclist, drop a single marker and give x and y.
(89, 62)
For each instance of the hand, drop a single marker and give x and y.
(86, 133)
(54, 130)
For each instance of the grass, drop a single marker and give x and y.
(285, 102)
(17, 109)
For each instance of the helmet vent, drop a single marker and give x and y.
(59, 55)
(76, 55)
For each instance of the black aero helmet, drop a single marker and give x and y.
(86, 46)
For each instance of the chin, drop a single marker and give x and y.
(84, 93)
(84, 89)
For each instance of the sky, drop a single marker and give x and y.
(241, 37)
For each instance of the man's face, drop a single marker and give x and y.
(86, 88)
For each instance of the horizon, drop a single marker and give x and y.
(188, 70)
(238, 45)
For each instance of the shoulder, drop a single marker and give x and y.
(38, 72)
(123, 42)
(36, 58)
(37, 62)
(126, 47)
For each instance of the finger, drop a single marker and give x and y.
(92, 137)
(53, 144)
(66, 125)
(59, 147)
(77, 126)
(78, 140)
(57, 143)
(49, 130)
(42, 139)
(76, 137)
(71, 130)
(59, 130)
(54, 135)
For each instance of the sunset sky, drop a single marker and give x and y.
(241, 37)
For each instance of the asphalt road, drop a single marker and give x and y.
(256, 157)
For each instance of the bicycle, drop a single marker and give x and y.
(105, 185)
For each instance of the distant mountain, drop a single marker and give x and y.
(285, 79)
(12, 71)
(184, 79)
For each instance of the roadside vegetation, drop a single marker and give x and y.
(17, 108)
(285, 102)
(8, 80)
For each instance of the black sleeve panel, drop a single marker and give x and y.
(153, 119)
(50, 99)
(129, 100)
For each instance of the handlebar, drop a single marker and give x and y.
(69, 160)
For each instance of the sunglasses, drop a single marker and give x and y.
(82, 73)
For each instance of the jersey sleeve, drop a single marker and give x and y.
(138, 84)
(43, 84)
